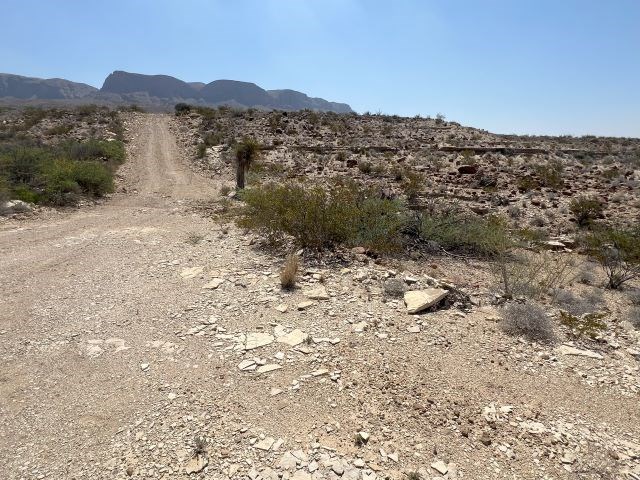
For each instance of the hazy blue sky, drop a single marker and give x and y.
(524, 66)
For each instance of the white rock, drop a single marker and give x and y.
(440, 467)
(257, 339)
(306, 305)
(287, 462)
(296, 337)
(191, 272)
(196, 464)
(419, 300)
(360, 327)
(268, 368)
(14, 206)
(281, 308)
(414, 329)
(247, 365)
(265, 444)
(213, 284)
(94, 351)
(569, 350)
(319, 293)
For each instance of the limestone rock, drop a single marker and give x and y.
(419, 300)
(569, 350)
(319, 293)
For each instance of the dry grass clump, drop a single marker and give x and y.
(528, 320)
(589, 302)
(289, 272)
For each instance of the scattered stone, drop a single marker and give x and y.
(282, 308)
(360, 327)
(569, 350)
(257, 339)
(306, 305)
(265, 444)
(191, 272)
(268, 368)
(414, 329)
(419, 300)
(196, 464)
(440, 467)
(144, 367)
(247, 365)
(296, 337)
(213, 284)
(319, 293)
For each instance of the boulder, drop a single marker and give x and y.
(419, 300)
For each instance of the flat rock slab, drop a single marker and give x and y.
(293, 338)
(319, 293)
(191, 272)
(305, 305)
(213, 284)
(196, 464)
(268, 368)
(419, 300)
(257, 340)
(569, 350)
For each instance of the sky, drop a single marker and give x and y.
(508, 66)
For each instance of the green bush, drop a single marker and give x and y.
(550, 174)
(182, 109)
(5, 190)
(586, 210)
(58, 174)
(321, 218)
(457, 231)
(112, 151)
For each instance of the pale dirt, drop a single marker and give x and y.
(113, 271)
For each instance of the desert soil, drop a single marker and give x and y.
(114, 358)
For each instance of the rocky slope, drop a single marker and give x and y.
(26, 88)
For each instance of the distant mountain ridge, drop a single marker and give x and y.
(163, 91)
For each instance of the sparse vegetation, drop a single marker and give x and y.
(586, 210)
(528, 320)
(59, 175)
(617, 250)
(453, 230)
(321, 218)
(289, 272)
(246, 152)
(588, 324)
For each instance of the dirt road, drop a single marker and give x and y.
(131, 327)
(85, 276)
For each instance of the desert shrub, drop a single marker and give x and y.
(289, 272)
(458, 231)
(617, 250)
(412, 185)
(26, 194)
(586, 210)
(182, 109)
(550, 174)
(528, 320)
(533, 275)
(201, 150)
(634, 297)
(320, 218)
(579, 305)
(112, 151)
(59, 130)
(588, 324)
(5, 190)
(65, 179)
(88, 110)
(364, 166)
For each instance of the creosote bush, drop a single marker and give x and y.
(59, 174)
(320, 218)
(617, 250)
(528, 320)
(586, 210)
(463, 232)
